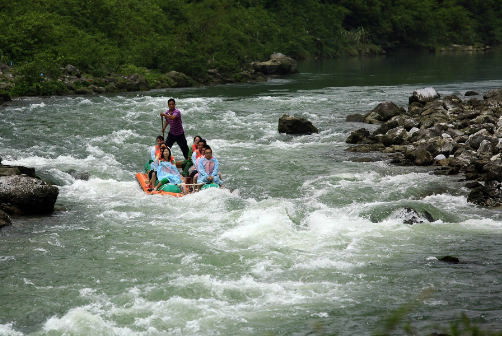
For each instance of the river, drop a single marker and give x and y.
(303, 241)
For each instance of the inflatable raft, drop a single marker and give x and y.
(172, 190)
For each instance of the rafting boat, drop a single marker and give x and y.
(170, 189)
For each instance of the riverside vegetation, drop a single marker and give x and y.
(215, 41)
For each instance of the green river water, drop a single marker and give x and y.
(308, 242)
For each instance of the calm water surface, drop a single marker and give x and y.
(307, 242)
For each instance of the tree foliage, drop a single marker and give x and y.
(191, 36)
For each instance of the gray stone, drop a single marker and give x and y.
(29, 194)
(358, 136)
(383, 112)
(471, 93)
(425, 95)
(295, 125)
(355, 118)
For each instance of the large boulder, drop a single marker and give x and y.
(137, 82)
(423, 96)
(279, 64)
(295, 125)
(180, 80)
(383, 112)
(72, 71)
(28, 194)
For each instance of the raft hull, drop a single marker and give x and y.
(142, 179)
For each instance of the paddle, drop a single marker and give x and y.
(162, 127)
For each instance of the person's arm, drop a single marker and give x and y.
(171, 117)
(216, 168)
(201, 169)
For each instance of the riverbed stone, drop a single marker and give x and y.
(423, 96)
(359, 136)
(355, 118)
(278, 64)
(493, 94)
(31, 195)
(4, 219)
(383, 112)
(296, 125)
(471, 93)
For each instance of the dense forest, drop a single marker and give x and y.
(192, 36)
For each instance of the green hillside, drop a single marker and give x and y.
(103, 36)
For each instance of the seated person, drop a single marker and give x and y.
(155, 151)
(197, 154)
(166, 171)
(208, 168)
(187, 163)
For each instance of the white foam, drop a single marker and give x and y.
(8, 330)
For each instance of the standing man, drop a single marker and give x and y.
(176, 133)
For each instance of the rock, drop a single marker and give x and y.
(383, 112)
(385, 127)
(180, 80)
(355, 118)
(474, 140)
(4, 219)
(358, 136)
(4, 97)
(295, 125)
(452, 102)
(471, 93)
(423, 157)
(396, 136)
(473, 184)
(30, 195)
(480, 196)
(449, 259)
(365, 148)
(72, 71)
(78, 175)
(425, 95)
(494, 94)
(363, 160)
(137, 83)
(493, 171)
(486, 149)
(84, 91)
(411, 216)
(279, 64)
(7, 170)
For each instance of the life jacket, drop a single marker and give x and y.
(157, 152)
(158, 160)
(194, 147)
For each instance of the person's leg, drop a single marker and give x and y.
(182, 143)
(171, 139)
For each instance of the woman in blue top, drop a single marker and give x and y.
(167, 173)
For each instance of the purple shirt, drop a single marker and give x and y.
(176, 124)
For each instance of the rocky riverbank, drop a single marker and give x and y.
(73, 82)
(23, 193)
(451, 135)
